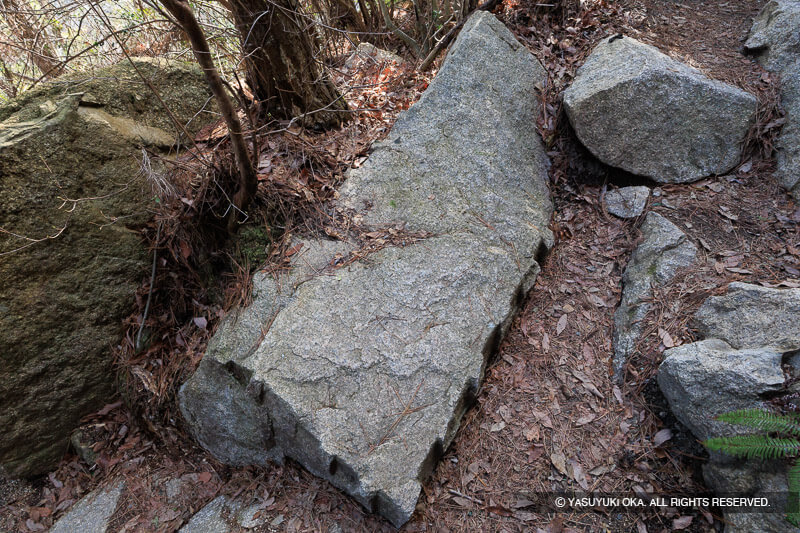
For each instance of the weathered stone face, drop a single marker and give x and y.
(362, 373)
(664, 250)
(754, 478)
(637, 109)
(775, 38)
(752, 316)
(749, 332)
(93, 512)
(69, 166)
(707, 378)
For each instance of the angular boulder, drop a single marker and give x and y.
(637, 109)
(664, 250)
(704, 379)
(750, 331)
(362, 373)
(71, 195)
(774, 35)
(787, 146)
(775, 39)
(752, 316)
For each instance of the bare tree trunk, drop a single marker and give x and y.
(280, 48)
(35, 41)
(343, 14)
(248, 181)
(7, 84)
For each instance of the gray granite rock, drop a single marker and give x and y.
(752, 316)
(787, 146)
(749, 330)
(368, 54)
(225, 515)
(752, 479)
(362, 373)
(775, 38)
(92, 513)
(704, 379)
(774, 35)
(217, 516)
(664, 250)
(637, 109)
(627, 202)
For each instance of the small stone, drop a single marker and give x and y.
(627, 202)
(83, 447)
(247, 518)
(173, 489)
(369, 54)
(215, 517)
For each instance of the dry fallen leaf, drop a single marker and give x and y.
(666, 338)
(682, 522)
(560, 462)
(532, 434)
(662, 436)
(498, 426)
(562, 323)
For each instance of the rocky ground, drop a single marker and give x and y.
(549, 416)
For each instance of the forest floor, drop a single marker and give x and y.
(548, 417)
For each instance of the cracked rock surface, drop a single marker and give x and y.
(362, 373)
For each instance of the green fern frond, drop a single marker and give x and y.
(793, 477)
(793, 500)
(754, 446)
(763, 420)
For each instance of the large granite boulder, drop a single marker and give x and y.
(787, 146)
(775, 38)
(71, 194)
(664, 250)
(750, 331)
(637, 109)
(362, 373)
